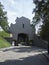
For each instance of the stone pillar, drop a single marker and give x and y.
(13, 43)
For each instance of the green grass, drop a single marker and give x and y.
(4, 43)
(4, 34)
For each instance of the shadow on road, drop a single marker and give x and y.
(31, 60)
(24, 49)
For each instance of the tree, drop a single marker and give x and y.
(3, 18)
(42, 12)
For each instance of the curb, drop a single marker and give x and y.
(5, 49)
(47, 56)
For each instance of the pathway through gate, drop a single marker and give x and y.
(23, 55)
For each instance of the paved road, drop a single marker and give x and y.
(23, 55)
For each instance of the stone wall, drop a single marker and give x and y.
(40, 43)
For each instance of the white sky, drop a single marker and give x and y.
(18, 8)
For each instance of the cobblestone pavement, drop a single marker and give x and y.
(23, 55)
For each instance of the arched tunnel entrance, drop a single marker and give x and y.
(22, 37)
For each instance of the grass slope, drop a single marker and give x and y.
(4, 34)
(4, 43)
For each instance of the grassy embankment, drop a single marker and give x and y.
(4, 43)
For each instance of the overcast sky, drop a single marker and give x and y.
(18, 8)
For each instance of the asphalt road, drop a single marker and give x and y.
(23, 55)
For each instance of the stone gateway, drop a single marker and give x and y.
(22, 30)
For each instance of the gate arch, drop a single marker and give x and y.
(23, 37)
